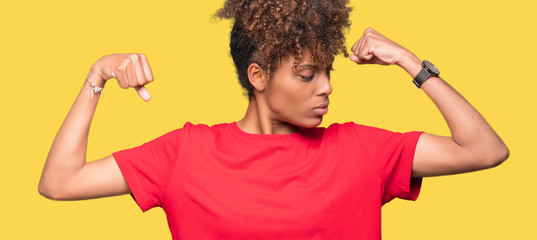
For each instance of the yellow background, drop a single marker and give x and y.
(485, 49)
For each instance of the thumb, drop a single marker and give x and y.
(357, 60)
(354, 58)
(144, 94)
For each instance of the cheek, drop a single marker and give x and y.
(288, 99)
(281, 100)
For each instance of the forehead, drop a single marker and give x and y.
(306, 60)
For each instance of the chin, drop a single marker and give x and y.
(311, 123)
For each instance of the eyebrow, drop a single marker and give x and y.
(308, 65)
(314, 66)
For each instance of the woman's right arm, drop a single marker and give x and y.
(66, 174)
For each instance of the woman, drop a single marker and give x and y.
(274, 174)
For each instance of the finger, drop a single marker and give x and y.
(360, 41)
(353, 48)
(369, 33)
(147, 69)
(138, 69)
(354, 58)
(357, 45)
(360, 45)
(366, 51)
(131, 72)
(361, 61)
(358, 60)
(143, 93)
(121, 76)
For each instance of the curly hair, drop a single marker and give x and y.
(265, 31)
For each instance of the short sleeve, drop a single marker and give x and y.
(392, 155)
(147, 168)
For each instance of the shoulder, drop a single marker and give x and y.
(203, 131)
(364, 133)
(202, 127)
(187, 129)
(353, 128)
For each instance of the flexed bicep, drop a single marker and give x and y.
(439, 155)
(99, 178)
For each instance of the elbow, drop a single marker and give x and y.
(485, 157)
(49, 192)
(46, 191)
(502, 155)
(496, 156)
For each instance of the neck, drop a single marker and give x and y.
(259, 120)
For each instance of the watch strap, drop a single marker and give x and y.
(423, 75)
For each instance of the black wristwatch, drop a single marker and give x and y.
(427, 71)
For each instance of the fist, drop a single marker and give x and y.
(130, 70)
(374, 48)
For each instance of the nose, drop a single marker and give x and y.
(324, 86)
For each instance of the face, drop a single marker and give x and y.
(299, 97)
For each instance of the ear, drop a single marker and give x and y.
(257, 76)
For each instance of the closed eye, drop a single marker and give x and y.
(307, 78)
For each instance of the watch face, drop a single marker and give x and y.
(431, 67)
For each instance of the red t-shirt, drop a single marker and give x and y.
(219, 182)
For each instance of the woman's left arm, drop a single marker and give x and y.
(473, 145)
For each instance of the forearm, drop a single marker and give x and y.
(467, 126)
(68, 152)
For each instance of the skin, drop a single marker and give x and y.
(285, 101)
(281, 105)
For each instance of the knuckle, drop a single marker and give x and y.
(124, 64)
(367, 41)
(369, 32)
(133, 57)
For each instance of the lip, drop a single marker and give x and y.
(323, 105)
(320, 110)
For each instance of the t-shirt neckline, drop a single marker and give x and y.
(265, 138)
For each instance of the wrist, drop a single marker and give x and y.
(95, 83)
(95, 78)
(411, 64)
